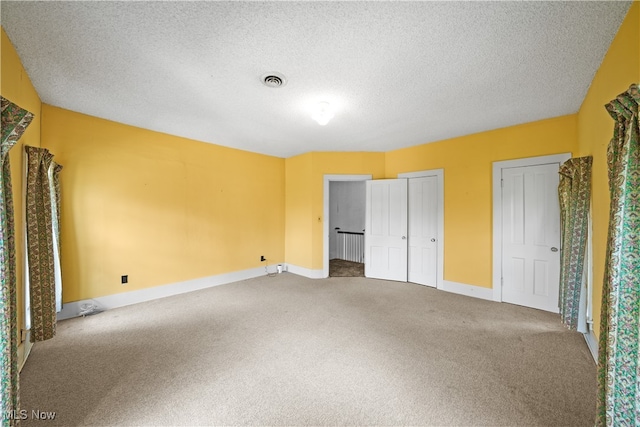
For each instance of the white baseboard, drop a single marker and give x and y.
(305, 272)
(592, 343)
(72, 309)
(24, 349)
(468, 290)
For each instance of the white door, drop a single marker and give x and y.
(531, 236)
(423, 230)
(385, 235)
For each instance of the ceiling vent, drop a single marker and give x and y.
(274, 80)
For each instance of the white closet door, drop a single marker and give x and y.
(531, 236)
(423, 230)
(386, 230)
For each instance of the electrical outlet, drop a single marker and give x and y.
(262, 258)
(125, 279)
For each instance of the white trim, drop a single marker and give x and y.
(24, 348)
(592, 343)
(439, 174)
(26, 302)
(325, 225)
(468, 290)
(497, 211)
(421, 174)
(305, 272)
(72, 309)
(590, 270)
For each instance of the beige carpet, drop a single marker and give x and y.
(286, 350)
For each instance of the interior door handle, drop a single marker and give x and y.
(554, 249)
(433, 240)
(404, 237)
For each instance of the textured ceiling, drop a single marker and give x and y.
(398, 73)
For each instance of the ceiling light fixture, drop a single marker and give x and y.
(322, 113)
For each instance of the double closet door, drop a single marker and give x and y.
(401, 231)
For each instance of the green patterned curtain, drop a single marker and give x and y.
(40, 249)
(574, 191)
(618, 365)
(14, 122)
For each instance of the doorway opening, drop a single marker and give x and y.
(344, 213)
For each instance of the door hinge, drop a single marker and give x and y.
(502, 281)
(23, 335)
(501, 182)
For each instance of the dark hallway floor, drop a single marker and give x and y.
(342, 268)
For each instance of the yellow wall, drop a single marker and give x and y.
(305, 199)
(467, 163)
(620, 68)
(17, 88)
(158, 208)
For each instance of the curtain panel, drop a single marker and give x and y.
(15, 121)
(619, 367)
(574, 192)
(40, 245)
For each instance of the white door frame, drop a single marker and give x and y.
(439, 173)
(497, 209)
(325, 226)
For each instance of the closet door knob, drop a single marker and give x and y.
(433, 240)
(554, 249)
